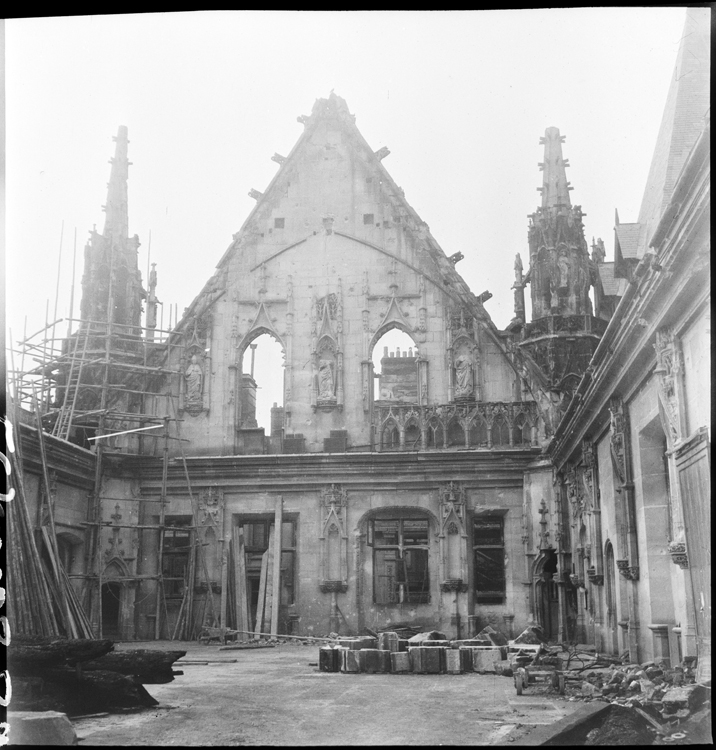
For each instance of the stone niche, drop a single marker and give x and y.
(399, 376)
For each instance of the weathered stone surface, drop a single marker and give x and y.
(425, 660)
(388, 641)
(373, 660)
(40, 728)
(493, 636)
(484, 659)
(400, 661)
(453, 663)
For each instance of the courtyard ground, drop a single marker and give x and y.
(277, 696)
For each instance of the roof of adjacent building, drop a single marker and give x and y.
(686, 104)
(611, 285)
(628, 236)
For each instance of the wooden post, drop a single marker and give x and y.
(224, 581)
(258, 624)
(242, 610)
(278, 521)
(268, 598)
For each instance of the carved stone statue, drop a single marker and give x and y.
(463, 375)
(194, 379)
(325, 379)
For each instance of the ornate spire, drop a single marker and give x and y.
(116, 223)
(555, 188)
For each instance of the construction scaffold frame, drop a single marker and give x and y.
(71, 391)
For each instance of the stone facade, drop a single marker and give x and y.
(555, 472)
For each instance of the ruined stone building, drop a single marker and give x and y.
(556, 471)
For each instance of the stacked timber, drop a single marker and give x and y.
(83, 676)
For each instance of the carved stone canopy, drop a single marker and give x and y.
(678, 553)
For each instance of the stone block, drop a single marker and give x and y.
(388, 641)
(483, 659)
(465, 658)
(436, 644)
(350, 660)
(492, 635)
(358, 642)
(329, 659)
(431, 635)
(40, 728)
(425, 660)
(373, 660)
(399, 661)
(453, 664)
(471, 642)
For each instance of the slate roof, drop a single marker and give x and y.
(628, 236)
(613, 287)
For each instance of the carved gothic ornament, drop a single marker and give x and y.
(630, 572)
(334, 500)
(618, 437)
(589, 475)
(576, 491)
(326, 350)
(452, 509)
(196, 336)
(211, 508)
(544, 532)
(678, 553)
(333, 540)
(669, 369)
(596, 579)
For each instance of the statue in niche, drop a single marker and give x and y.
(325, 379)
(463, 375)
(563, 263)
(194, 379)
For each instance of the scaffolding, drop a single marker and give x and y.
(100, 383)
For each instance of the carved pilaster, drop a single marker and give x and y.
(333, 539)
(619, 439)
(669, 369)
(453, 532)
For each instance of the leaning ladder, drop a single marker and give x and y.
(64, 421)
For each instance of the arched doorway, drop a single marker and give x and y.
(610, 593)
(547, 594)
(117, 601)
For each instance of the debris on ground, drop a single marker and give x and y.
(77, 676)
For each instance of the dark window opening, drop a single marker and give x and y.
(367, 218)
(488, 541)
(176, 555)
(256, 542)
(279, 223)
(400, 560)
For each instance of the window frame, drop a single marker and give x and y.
(497, 595)
(402, 593)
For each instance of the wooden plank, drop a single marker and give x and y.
(224, 581)
(258, 624)
(241, 604)
(278, 520)
(268, 599)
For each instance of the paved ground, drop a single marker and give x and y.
(277, 697)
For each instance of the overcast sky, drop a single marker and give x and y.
(460, 98)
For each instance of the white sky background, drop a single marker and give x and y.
(460, 98)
